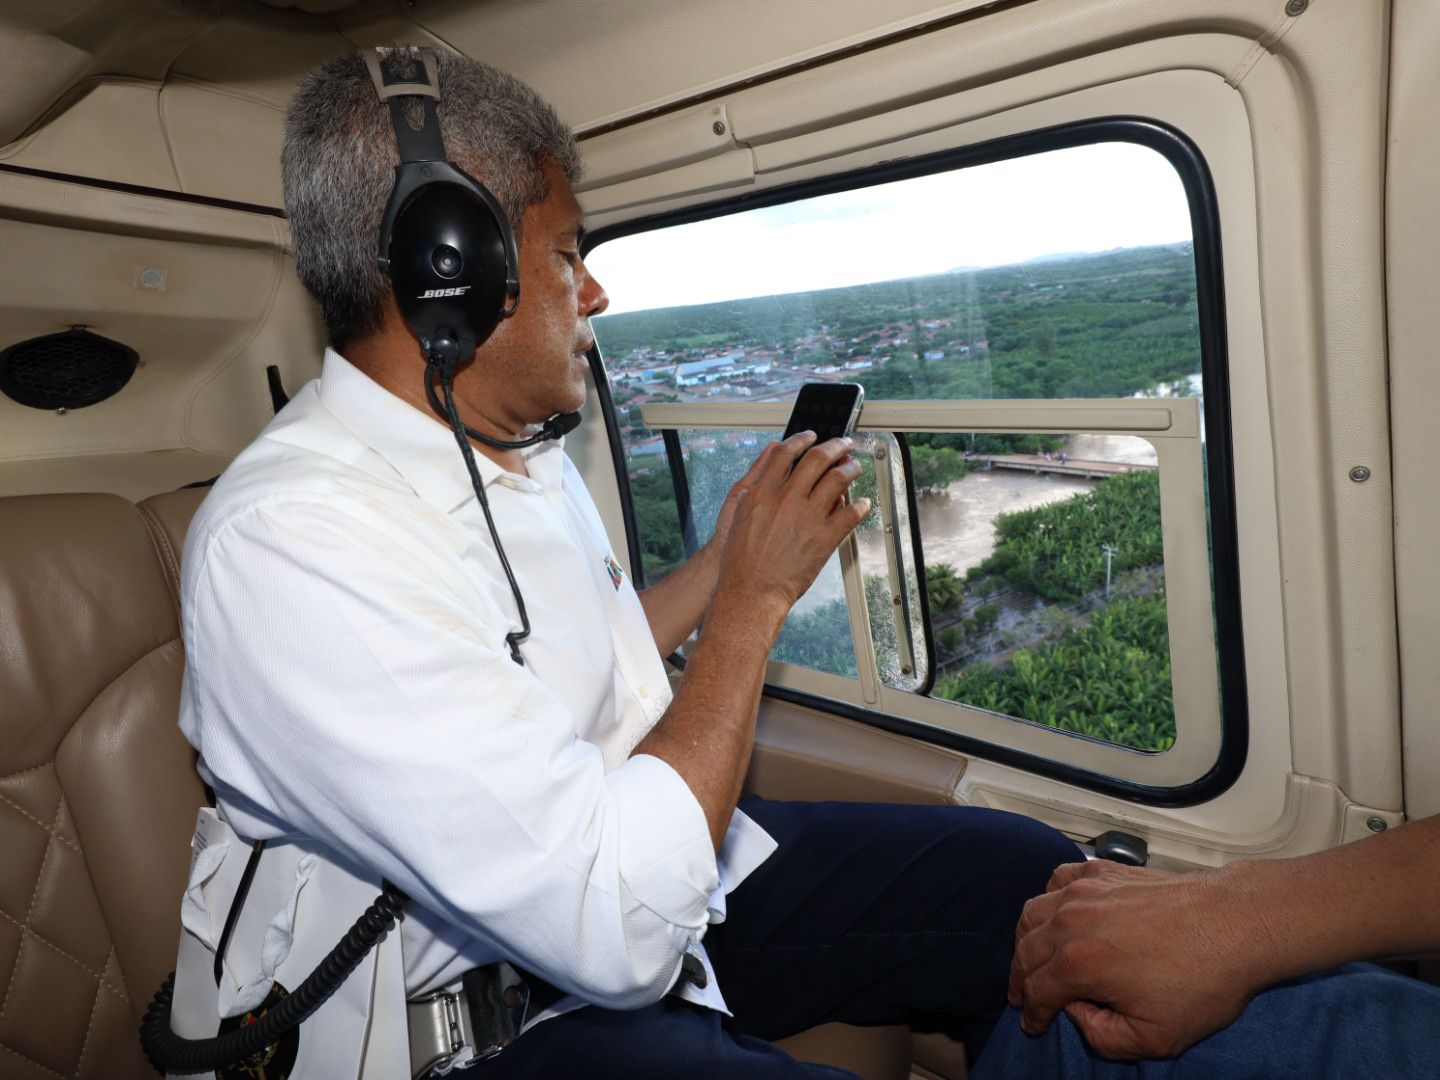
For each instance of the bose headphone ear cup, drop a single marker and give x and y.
(450, 264)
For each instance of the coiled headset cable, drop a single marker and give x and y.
(172, 1053)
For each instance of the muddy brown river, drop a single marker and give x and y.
(957, 525)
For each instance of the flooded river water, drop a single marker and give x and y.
(957, 525)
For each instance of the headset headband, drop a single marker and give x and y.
(415, 144)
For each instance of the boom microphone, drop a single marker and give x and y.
(557, 427)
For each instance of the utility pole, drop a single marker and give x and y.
(1110, 553)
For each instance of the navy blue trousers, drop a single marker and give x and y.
(867, 914)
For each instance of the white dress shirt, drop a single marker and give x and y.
(347, 679)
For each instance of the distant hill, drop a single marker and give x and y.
(772, 319)
(1066, 326)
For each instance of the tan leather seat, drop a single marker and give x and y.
(98, 790)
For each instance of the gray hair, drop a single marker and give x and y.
(338, 164)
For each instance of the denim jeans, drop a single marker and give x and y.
(867, 913)
(1355, 1022)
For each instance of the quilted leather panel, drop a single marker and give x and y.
(88, 597)
(111, 1040)
(47, 1013)
(24, 836)
(98, 790)
(65, 912)
(128, 773)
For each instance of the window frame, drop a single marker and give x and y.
(1190, 165)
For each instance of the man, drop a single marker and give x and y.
(1153, 965)
(346, 617)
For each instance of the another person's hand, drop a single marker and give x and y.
(783, 519)
(1145, 962)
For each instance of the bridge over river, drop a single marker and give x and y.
(1058, 466)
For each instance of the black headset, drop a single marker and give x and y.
(445, 241)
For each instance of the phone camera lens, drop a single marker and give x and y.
(446, 261)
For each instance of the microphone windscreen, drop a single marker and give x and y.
(557, 427)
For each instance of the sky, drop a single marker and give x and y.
(1083, 199)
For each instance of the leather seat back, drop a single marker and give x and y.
(98, 790)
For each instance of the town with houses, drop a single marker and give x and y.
(772, 372)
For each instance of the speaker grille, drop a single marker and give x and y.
(65, 371)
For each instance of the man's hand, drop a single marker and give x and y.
(674, 605)
(786, 516)
(1145, 962)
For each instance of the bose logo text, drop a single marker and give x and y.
(432, 294)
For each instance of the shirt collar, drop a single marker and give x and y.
(419, 448)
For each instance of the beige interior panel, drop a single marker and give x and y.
(225, 145)
(226, 305)
(727, 171)
(231, 402)
(214, 298)
(51, 46)
(110, 130)
(803, 753)
(641, 56)
(1412, 231)
(261, 55)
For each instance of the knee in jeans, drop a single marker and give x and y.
(1042, 848)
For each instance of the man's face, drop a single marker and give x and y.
(533, 366)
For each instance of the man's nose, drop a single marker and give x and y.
(593, 299)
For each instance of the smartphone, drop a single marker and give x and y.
(828, 409)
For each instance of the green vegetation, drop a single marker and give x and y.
(821, 638)
(818, 639)
(984, 619)
(935, 468)
(653, 497)
(1097, 667)
(944, 587)
(1108, 678)
(1057, 551)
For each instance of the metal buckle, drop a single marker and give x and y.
(498, 1000)
(482, 1019)
(439, 1032)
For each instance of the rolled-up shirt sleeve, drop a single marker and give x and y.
(341, 679)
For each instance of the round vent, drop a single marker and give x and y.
(65, 371)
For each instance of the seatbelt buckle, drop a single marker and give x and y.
(499, 1004)
(450, 1029)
